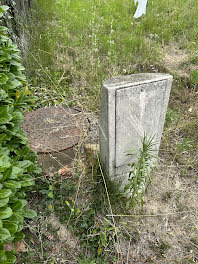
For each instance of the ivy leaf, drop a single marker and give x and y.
(5, 212)
(4, 234)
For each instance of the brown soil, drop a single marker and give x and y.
(177, 60)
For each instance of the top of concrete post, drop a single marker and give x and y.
(134, 80)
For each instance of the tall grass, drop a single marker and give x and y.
(82, 42)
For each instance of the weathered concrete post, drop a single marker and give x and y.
(131, 106)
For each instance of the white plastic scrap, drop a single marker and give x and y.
(141, 9)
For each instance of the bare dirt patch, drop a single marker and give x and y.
(177, 60)
(167, 229)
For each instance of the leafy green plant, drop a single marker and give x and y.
(17, 161)
(139, 174)
(86, 261)
(194, 77)
(184, 145)
(171, 116)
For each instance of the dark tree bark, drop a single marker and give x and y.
(18, 13)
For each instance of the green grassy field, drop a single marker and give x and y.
(73, 46)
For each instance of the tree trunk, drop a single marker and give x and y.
(16, 17)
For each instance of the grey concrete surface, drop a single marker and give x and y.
(131, 106)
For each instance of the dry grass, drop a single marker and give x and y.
(166, 231)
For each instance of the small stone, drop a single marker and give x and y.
(190, 109)
(65, 171)
(9, 247)
(92, 149)
(20, 246)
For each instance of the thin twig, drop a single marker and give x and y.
(147, 215)
(79, 182)
(128, 251)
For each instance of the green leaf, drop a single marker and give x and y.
(4, 137)
(99, 250)
(4, 8)
(12, 184)
(17, 118)
(19, 236)
(4, 201)
(26, 180)
(4, 163)
(11, 227)
(3, 78)
(11, 259)
(50, 194)
(15, 63)
(29, 213)
(4, 193)
(27, 183)
(16, 218)
(7, 174)
(19, 205)
(10, 239)
(3, 95)
(24, 164)
(4, 234)
(3, 256)
(5, 114)
(2, 28)
(5, 212)
(16, 171)
(18, 93)
(15, 83)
